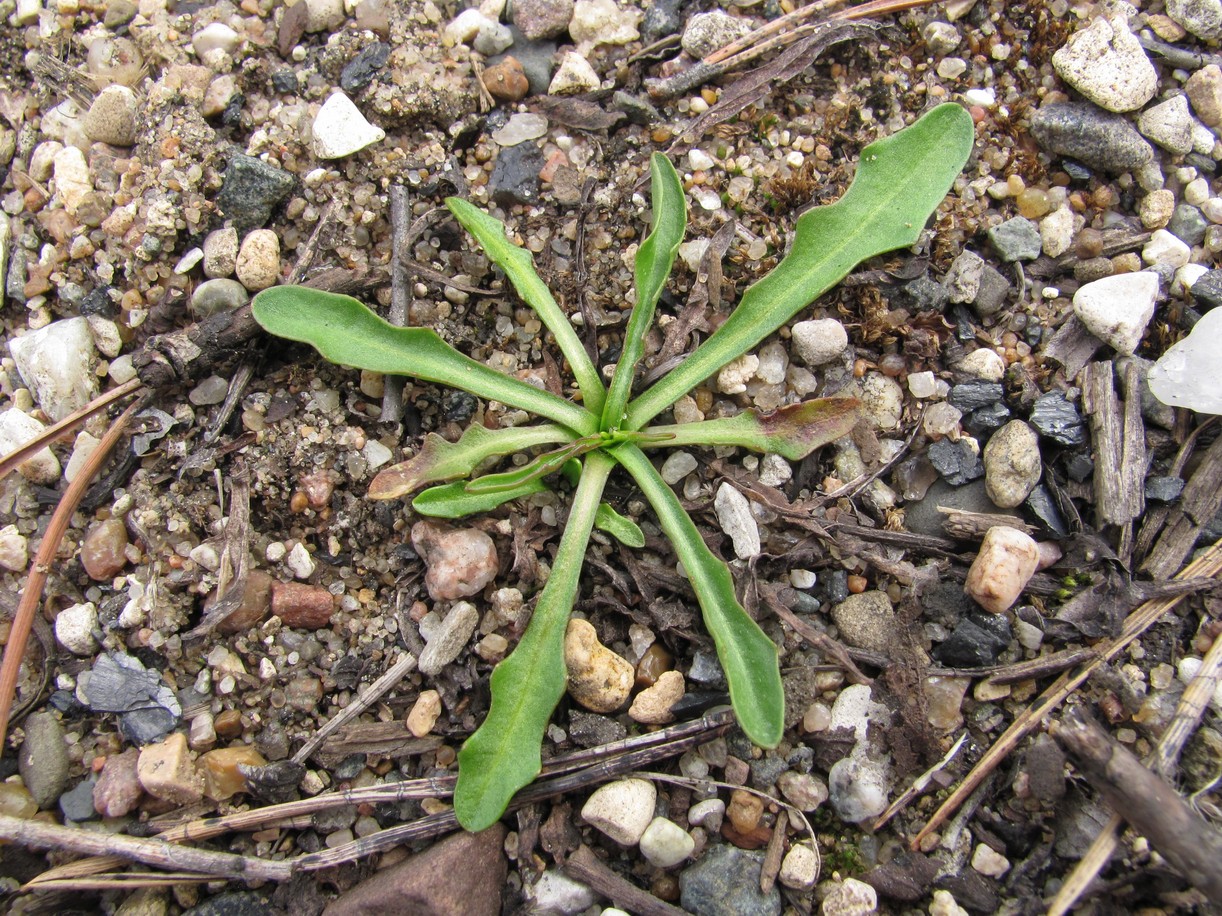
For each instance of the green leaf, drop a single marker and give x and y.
(792, 432)
(623, 529)
(654, 260)
(451, 500)
(542, 466)
(439, 459)
(899, 183)
(346, 332)
(504, 753)
(748, 656)
(519, 267)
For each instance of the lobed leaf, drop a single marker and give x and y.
(504, 755)
(792, 432)
(623, 529)
(345, 331)
(439, 459)
(519, 267)
(899, 183)
(451, 500)
(654, 260)
(747, 655)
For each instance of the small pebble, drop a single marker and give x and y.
(1004, 565)
(112, 118)
(1107, 64)
(118, 791)
(75, 626)
(799, 868)
(988, 862)
(665, 844)
(258, 263)
(447, 636)
(166, 771)
(622, 809)
(574, 76)
(652, 706)
(1012, 464)
(736, 520)
(308, 607)
(1117, 309)
(424, 713)
(340, 129)
(598, 679)
(103, 550)
(850, 898)
(820, 341)
(460, 561)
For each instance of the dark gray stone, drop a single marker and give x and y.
(542, 18)
(923, 295)
(726, 882)
(250, 191)
(1080, 467)
(1044, 507)
(536, 57)
(144, 726)
(1055, 418)
(1017, 239)
(1188, 224)
(589, 729)
(987, 419)
(836, 586)
(237, 903)
(285, 82)
(515, 177)
(1164, 489)
(98, 302)
(638, 109)
(923, 517)
(957, 462)
(706, 669)
(978, 640)
(662, 18)
(975, 394)
(360, 71)
(1095, 137)
(766, 770)
(1207, 291)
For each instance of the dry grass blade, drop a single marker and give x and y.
(1209, 563)
(31, 594)
(1188, 715)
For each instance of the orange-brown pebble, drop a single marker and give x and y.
(318, 488)
(665, 887)
(445, 756)
(299, 502)
(653, 663)
(102, 552)
(745, 810)
(222, 778)
(1033, 203)
(299, 605)
(506, 80)
(661, 135)
(228, 724)
(857, 584)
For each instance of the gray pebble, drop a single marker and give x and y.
(1096, 138)
(1017, 239)
(867, 621)
(726, 882)
(251, 189)
(43, 759)
(220, 295)
(1188, 224)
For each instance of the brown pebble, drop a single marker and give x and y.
(299, 605)
(745, 810)
(228, 724)
(755, 838)
(318, 488)
(652, 665)
(665, 887)
(102, 552)
(222, 778)
(256, 601)
(1088, 244)
(118, 790)
(506, 80)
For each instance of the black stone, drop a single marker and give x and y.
(588, 729)
(1080, 467)
(1055, 418)
(457, 406)
(77, 803)
(987, 419)
(957, 462)
(98, 302)
(250, 191)
(285, 81)
(1188, 224)
(1077, 171)
(360, 71)
(974, 394)
(232, 115)
(923, 295)
(1207, 291)
(65, 701)
(836, 586)
(144, 726)
(662, 18)
(275, 783)
(945, 603)
(515, 177)
(1164, 489)
(978, 639)
(698, 702)
(350, 767)
(1044, 507)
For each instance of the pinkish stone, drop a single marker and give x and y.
(460, 561)
(118, 789)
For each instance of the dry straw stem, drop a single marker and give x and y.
(1164, 760)
(1209, 563)
(31, 594)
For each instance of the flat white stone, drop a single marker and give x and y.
(800, 868)
(1107, 64)
(72, 181)
(622, 809)
(734, 515)
(1187, 374)
(1116, 309)
(1165, 248)
(341, 130)
(74, 627)
(57, 363)
(573, 76)
(1169, 124)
